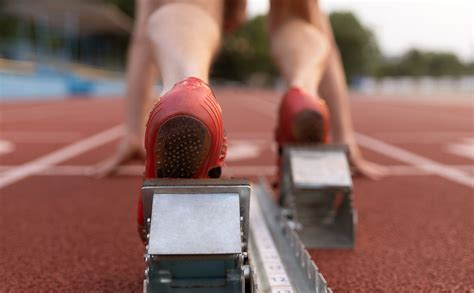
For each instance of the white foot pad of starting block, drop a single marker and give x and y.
(324, 168)
(195, 224)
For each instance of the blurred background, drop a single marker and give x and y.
(52, 49)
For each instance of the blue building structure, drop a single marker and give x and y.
(78, 26)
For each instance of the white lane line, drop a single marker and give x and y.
(42, 163)
(420, 162)
(465, 148)
(239, 150)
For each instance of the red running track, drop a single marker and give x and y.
(64, 230)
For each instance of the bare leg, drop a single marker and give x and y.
(181, 37)
(185, 36)
(141, 74)
(299, 48)
(305, 51)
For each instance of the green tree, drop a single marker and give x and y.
(469, 68)
(359, 50)
(442, 63)
(424, 63)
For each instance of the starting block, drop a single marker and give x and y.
(316, 195)
(198, 233)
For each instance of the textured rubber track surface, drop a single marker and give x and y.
(63, 230)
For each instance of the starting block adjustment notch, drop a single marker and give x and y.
(316, 191)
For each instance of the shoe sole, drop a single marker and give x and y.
(182, 146)
(308, 126)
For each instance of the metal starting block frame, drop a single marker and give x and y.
(198, 235)
(316, 194)
(277, 255)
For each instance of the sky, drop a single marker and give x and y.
(446, 25)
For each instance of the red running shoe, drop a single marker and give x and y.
(302, 119)
(184, 136)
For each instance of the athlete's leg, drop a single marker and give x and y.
(299, 47)
(306, 53)
(141, 74)
(185, 36)
(181, 36)
(235, 13)
(333, 88)
(300, 50)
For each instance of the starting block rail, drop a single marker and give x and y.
(283, 263)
